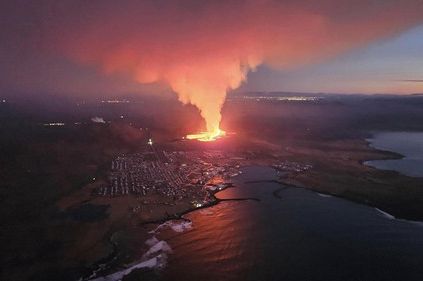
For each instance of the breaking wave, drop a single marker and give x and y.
(155, 257)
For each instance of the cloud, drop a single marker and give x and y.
(411, 80)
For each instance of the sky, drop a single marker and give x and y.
(392, 66)
(98, 48)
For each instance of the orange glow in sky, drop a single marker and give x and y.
(202, 51)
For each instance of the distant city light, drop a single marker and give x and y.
(54, 124)
(98, 120)
(115, 101)
(291, 98)
(150, 142)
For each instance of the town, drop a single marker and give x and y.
(173, 174)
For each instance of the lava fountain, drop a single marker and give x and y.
(204, 83)
(207, 136)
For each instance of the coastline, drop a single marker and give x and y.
(142, 266)
(389, 155)
(386, 154)
(351, 177)
(103, 265)
(407, 148)
(367, 153)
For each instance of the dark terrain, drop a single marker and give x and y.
(40, 165)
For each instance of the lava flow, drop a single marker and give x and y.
(207, 136)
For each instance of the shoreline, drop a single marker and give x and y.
(365, 184)
(390, 155)
(395, 156)
(387, 155)
(137, 264)
(104, 263)
(214, 200)
(398, 213)
(331, 195)
(392, 217)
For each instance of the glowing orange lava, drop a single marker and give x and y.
(207, 136)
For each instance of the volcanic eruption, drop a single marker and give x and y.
(203, 49)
